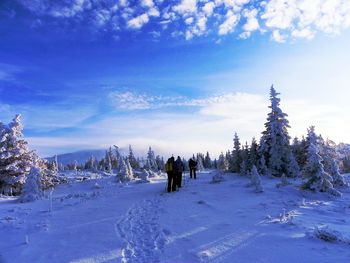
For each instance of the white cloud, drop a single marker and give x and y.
(147, 3)
(189, 20)
(278, 37)
(252, 23)
(186, 6)
(129, 101)
(153, 12)
(208, 8)
(138, 22)
(229, 24)
(284, 20)
(305, 33)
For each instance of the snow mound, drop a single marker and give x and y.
(329, 235)
(218, 178)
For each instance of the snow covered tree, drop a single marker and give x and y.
(160, 163)
(124, 173)
(151, 163)
(235, 161)
(207, 161)
(275, 139)
(293, 168)
(338, 179)
(253, 154)
(255, 180)
(32, 188)
(108, 162)
(130, 171)
(90, 163)
(15, 158)
(299, 149)
(244, 167)
(200, 161)
(262, 166)
(215, 164)
(328, 153)
(317, 178)
(184, 161)
(132, 159)
(222, 162)
(55, 164)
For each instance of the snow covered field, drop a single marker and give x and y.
(100, 220)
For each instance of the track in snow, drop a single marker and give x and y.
(143, 236)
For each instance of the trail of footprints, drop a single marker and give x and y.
(143, 236)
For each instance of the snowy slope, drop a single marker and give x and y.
(203, 222)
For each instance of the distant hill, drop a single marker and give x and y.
(80, 156)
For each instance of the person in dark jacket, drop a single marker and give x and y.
(178, 170)
(169, 168)
(192, 164)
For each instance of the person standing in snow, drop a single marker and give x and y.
(178, 169)
(169, 168)
(193, 167)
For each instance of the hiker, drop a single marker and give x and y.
(178, 169)
(193, 167)
(169, 168)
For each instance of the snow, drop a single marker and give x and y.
(101, 220)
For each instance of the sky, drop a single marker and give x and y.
(181, 76)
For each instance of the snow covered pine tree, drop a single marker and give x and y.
(274, 143)
(314, 173)
(15, 158)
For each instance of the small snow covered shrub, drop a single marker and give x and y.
(144, 176)
(32, 188)
(284, 181)
(255, 180)
(217, 178)
(338, 179)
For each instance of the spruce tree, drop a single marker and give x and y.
(236, 159)
(207, 161)
(244, 167)
(275, 139)
(253, 154)
(151, 163)
(132, 159)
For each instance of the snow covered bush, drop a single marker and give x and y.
(284, 181)
(314, 173)
(144, 176)
(32, 188)
(255, 180)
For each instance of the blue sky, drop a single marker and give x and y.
(181, 76)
